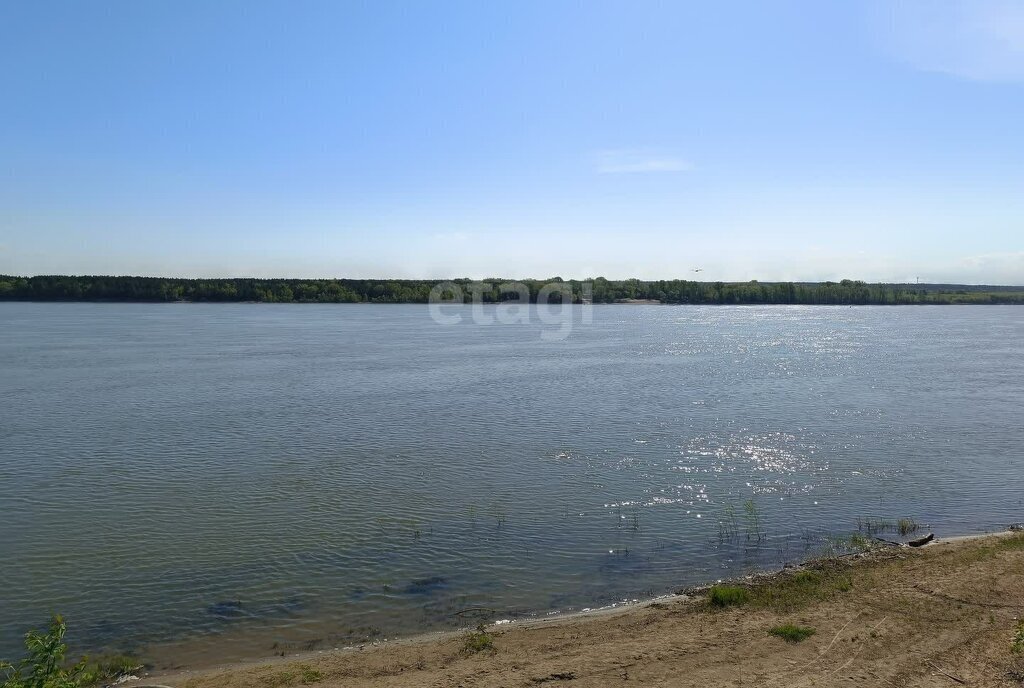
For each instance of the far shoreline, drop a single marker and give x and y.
(633, 302)
(594, 290)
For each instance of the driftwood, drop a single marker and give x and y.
(469, 610)
(922, 540)
(948, 675)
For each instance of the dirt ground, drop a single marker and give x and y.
(942, 615)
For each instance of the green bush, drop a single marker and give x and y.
(46, 665)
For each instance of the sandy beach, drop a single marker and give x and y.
(941, 615)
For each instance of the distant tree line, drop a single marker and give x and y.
(599, 290)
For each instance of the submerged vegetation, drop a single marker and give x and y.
(852, 543)
(46, 665)
(906, 526)
(728, 525)
(753, 519)
(873, 526)
(599, 290)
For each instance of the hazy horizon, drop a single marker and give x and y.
(491, 278)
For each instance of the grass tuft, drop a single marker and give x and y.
(310, 675)
(728, 596)
(1017, 645)
(792, 633)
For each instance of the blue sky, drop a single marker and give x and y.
(783, 140)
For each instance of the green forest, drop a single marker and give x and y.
(597, 290)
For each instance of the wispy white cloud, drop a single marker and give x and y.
(981, 40)
(638, 160)
(1000, 268)
(1015, 258)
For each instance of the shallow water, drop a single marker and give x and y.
(290, 476)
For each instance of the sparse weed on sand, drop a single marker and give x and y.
(990, 549)
(786, 591)
(792, 633)
(478, 641)
(796, 590)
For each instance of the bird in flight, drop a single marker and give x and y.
(698, 269)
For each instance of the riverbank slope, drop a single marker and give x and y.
(945, 614)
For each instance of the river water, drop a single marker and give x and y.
(286, 477)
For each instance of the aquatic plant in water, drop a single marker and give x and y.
(753, 518)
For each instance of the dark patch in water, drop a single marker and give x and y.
(233, 610)
(226, 610)
(426, 586)
(625, 565)
(289, 606)
(104, 636)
